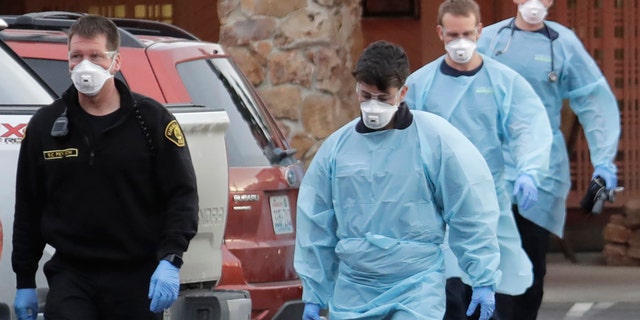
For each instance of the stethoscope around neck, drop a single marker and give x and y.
(552, 75)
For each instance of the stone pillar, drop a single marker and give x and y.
(299, 55)
(622, 236)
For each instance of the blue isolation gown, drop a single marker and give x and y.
(494, 107)
(580, 81)
(371, 217)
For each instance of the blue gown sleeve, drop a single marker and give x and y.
(414, 92)
(528, 131)
(592, 100)
(416, 84)
(315, 260)
(465, 193)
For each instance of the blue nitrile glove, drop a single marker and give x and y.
(26, 304)
(525, 185)
(311, 312)
(164, 287)
(609, 177)
(485, 297)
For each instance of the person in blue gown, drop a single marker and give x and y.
(554, 61)
(376, 199)
(496, 109)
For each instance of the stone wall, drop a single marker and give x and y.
(299, 54)
(622, 236)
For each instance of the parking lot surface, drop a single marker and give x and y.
(589, 290)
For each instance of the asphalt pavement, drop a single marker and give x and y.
(589, 289)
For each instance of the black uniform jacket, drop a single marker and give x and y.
(112, 196)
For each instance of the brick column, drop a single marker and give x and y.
(299, 54)
(622, 236)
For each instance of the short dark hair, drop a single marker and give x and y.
(92, 25)
(459, 8)
(384, 65)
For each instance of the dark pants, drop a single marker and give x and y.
(535, 241)
(78, 291)
(459, 297)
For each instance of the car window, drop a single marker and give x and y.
(56, 73)
(17, 86)
(211, 83)
(215, 83)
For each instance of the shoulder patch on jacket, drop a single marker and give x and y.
(173, 133)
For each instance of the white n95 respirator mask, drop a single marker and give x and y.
(377, 114)
(89, 77)
(533, 11)
(460, 50)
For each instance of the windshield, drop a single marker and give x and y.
(18, 86)
(215, 83)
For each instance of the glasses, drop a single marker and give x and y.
(96, 57)
(382, 97)
(455, 35)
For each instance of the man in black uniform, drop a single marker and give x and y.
(106, 178)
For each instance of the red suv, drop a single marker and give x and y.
(172, 66)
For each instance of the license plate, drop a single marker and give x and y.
(281, 214)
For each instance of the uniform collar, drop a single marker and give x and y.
(70, 97)
(546, 30)
(450, 71)
(73, 108)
